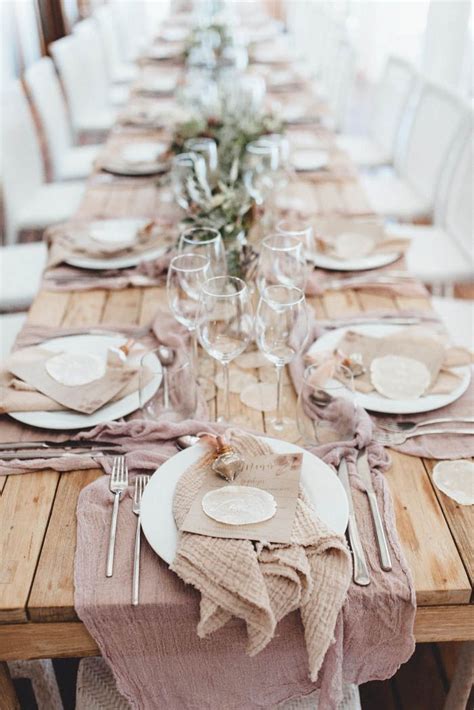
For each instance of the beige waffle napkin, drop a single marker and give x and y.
(25, 385)
(328, 229)
(408, 343)
(261, 584)
(74, 240)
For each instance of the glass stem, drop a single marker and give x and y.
(194, 352)
(225, 365)
(279, 418)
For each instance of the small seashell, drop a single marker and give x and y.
(228, 463)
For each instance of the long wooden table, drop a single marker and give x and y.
(37, 510)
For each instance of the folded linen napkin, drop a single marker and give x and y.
(76, 239)
(261, 586)
(350, 239)
(373, 634)
(449, 446)
(319, 280)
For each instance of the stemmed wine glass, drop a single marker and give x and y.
(207, 241)
(281, 327)
(186, 275)
(261, 161)
(225, 323)
(186, 170)
(281, 261)
(299, 229)
(205, 147)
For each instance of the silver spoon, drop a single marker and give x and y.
(184, 442)
(412, 426)
(166, 356)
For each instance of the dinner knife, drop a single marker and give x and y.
(31, 454)
(68, 444)
(360, 572)
(363, 469)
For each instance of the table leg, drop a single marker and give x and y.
(463, 679)
(7, 689)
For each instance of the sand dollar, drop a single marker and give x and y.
(456, 480)
(261, 396)
(353, 245)
(75, 369)
(238, 380)
(398, 377)
(239, 505)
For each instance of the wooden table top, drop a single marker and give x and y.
(37, 510)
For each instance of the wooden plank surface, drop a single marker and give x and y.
(36, 508)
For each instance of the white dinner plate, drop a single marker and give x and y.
(137, 159)
(364, 263)
(319, 481)
(123, 231)
(376, 402)
(65, 419)
(309, 160)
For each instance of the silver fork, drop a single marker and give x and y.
(140, 485)
(396, 438)
(118, 484)
(409, 426)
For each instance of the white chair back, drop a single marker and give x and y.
(44, 88)
(391, 99)
(458, 208)
(92, 58)
(340, 85)
(22, 165)
(432, 129)
(109, 34)
(74, 76)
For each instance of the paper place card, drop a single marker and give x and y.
(277, 474)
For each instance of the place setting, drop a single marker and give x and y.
(232, 415)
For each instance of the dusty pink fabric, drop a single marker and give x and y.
(158, 659)
(318, 280)
(136, 435)
(147, 273)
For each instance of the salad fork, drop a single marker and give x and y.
(118, 484)
(397, 438)
(140, 485)
(408, 426)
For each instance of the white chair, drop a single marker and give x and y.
(390, 100)
(68, 162)
(21, 266)
(443, 254)
(92, 53)
(458, 316)
(10, 326)
(89, 112)
(29, 202)
(407, 193)
(118, 69)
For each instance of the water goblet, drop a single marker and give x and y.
(325, 411)
(207, 241)
(281, 327)
(225, 323)
(281, 261)
(261, 161)
(187, 169)
(186, 275)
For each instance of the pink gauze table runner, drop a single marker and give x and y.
(154, 650)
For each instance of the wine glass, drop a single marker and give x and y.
(207, 241)
(281, 327)
(281, 261)
(325, 411)
(225, 323)
(186, 275)
(186, 170)
(207, 149)
(178, 400)
(261, 161)
(299, 229)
